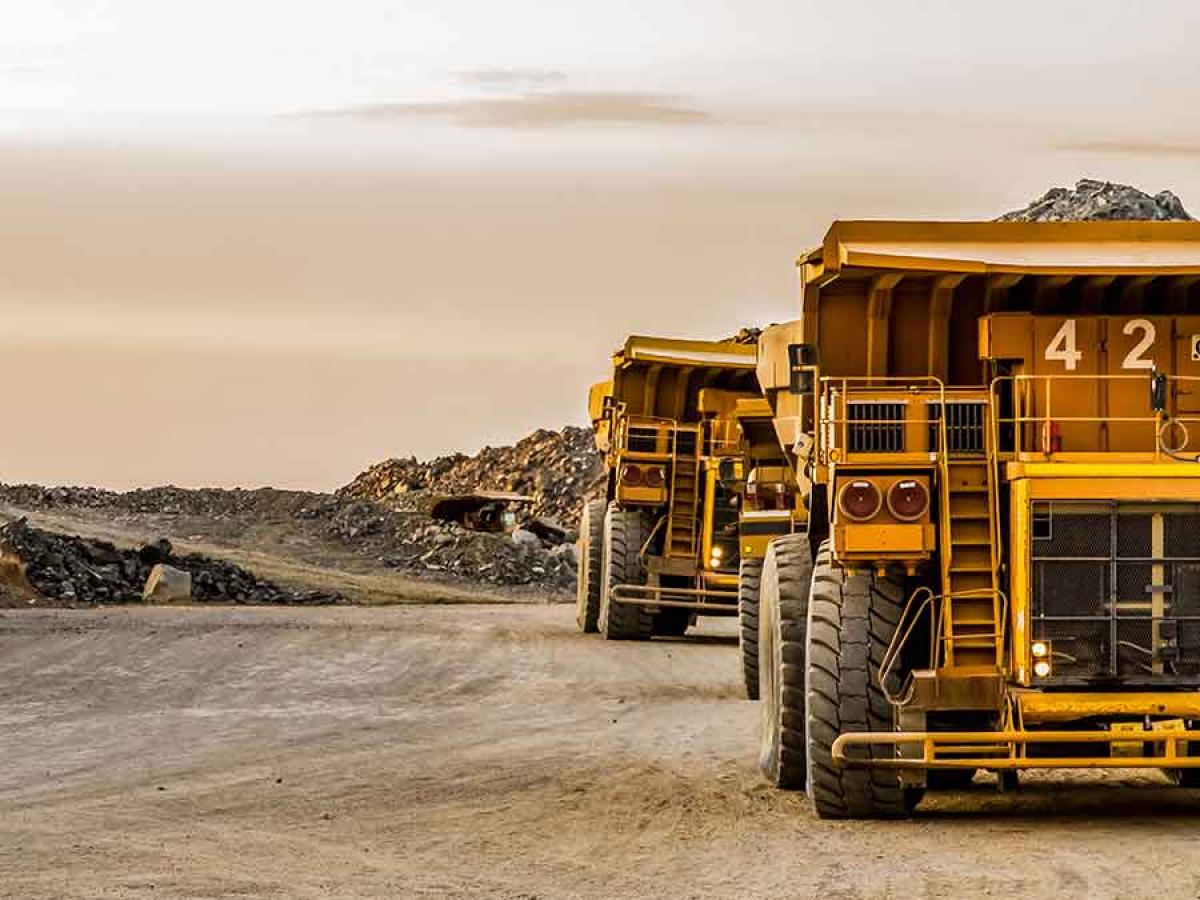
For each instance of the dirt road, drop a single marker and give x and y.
(476, 751)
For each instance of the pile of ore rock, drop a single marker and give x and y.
(1098, 200)
(416, 544)
(558, 469)
(73, 569)
(539, 555)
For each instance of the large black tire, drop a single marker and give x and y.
(590, 578)
(624, 533)
(749, 578)
(851, 620)
(783, 616)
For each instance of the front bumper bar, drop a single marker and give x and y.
(708, 601)
(1157, 749)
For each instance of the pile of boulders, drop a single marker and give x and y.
(419, 545)
(73, 569)
(1098, 200)
(557, 469)
(538, 555)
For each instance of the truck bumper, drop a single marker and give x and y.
(1164, 747)
(706, 601)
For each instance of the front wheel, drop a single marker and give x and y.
(625, 532)
(851, 621)
(749, 582)
(783, 616)
(590, 578)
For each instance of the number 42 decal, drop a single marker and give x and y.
(1062, 347)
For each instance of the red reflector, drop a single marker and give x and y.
(908, 500)
(859, 500)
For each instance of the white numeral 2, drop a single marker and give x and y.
(1135, 360)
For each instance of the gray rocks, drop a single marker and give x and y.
(1099, 200)
(167, 584)
(556, 468)
(74, 569)
(527, 539)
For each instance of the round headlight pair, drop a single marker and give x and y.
(635, 476)
(860, 500)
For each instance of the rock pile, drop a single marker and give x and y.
(420, 545)
(556, 468)
(73, 569)
(382, 534)
(1096, 200)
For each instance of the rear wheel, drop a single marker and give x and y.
(851, 621)
(590, 577)
(783, 609)
(749, 577)
(624, 533)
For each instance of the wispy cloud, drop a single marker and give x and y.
(543, 110)
(509, 79)
(1132, 147)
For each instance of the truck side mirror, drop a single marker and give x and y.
(726, 472)
(801, 357)
(1158, 392)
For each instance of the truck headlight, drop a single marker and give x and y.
(1040, 649)
(908, 500)
(859, 500)
(1041, 668)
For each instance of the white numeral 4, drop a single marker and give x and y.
(1062, 346)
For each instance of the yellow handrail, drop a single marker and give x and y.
(1024, 385)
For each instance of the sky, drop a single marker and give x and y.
(272, 243)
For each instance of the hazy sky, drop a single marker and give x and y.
(272, 242)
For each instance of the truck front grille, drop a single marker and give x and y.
(964, 427)
(875, 427)
(1116, 589)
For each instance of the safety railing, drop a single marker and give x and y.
(665, 431)
(1023, 418)
(839, 429)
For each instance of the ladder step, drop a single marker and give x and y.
(970, 570)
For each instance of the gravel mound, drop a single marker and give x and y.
(73, 569)
(1092, 200)
(406, 540)
(556, 468)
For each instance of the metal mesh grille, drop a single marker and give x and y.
(875, 427)
(964, 427)
(1110, 606)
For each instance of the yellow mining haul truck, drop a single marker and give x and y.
(1000, 423)
(661, 546)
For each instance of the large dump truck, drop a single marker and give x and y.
(661, 546)
(999, 426)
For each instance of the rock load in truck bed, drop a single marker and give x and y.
(1092, 200)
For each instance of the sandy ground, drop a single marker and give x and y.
(428, 751)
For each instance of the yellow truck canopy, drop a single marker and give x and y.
(1028, 248)
(904, 298)
(663, 377)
